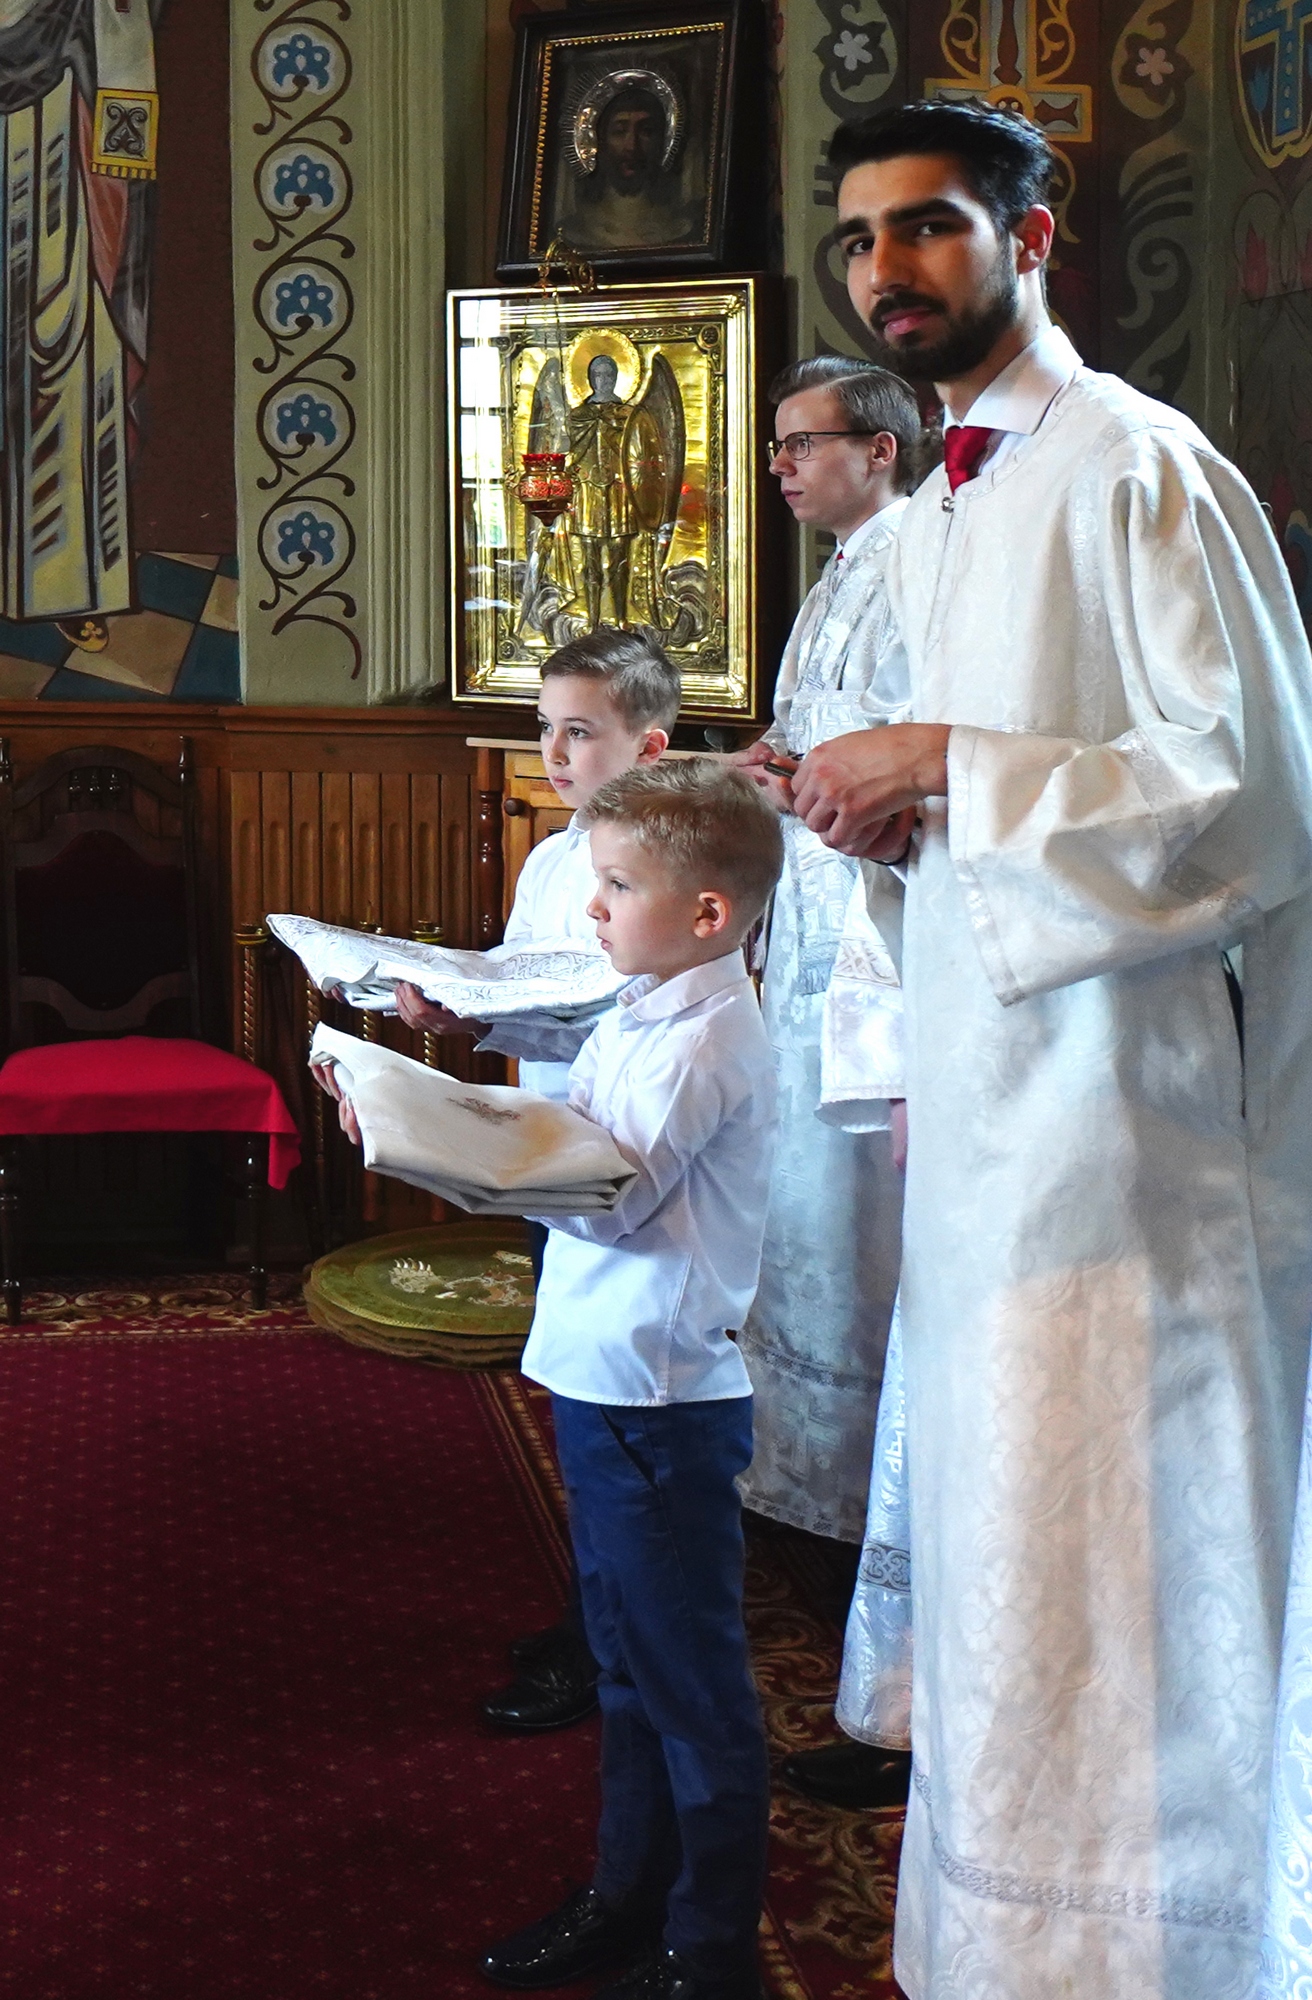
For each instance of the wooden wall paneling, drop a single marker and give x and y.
(366, 857)
(212, 896)
(532, 810)
(245, 876)
(457, 850)
(247, 858)
(304, 1002)
(396, 911)
(336, 848)
(276, 839)
(210, 788)
(277, 1044)
(322, 887)
(217, 862)
(307, 843)
(516, 846)
(427, 903)
(490, 781)
(367, 908)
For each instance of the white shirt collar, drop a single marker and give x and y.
(1020, 397)
(887, 518)
(650, 999)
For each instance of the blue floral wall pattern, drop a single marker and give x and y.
(303, 305)
(303, 419)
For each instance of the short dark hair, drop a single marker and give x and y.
(1008, 162)
(873, 399)
(709, 824)
(643, 681)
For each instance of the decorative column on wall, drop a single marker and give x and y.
(338, 188)
(839, 59)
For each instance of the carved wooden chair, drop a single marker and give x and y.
(346, 1196)
(97, 855)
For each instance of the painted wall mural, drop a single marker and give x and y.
(1156, 142)
(1184, 249)
(90, 607)
(1270, 267)
(1106, 83)
(1029, 56)
(1273, 44)
(303, 305)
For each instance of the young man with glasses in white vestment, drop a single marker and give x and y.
(846, 455)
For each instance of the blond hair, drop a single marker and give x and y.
(708, 823)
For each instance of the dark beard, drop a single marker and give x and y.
(966, 339)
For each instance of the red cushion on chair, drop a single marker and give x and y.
(146, 1083)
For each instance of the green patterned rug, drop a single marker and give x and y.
(459, 1294)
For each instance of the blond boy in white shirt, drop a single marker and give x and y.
(653, 1403)
(609, 701)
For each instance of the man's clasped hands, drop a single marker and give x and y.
(859, 793)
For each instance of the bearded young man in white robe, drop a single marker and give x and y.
(847, 455)
(1106, 1291)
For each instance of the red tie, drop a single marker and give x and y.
(964, 445)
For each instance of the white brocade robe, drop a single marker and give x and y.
(1287, 1947)
(1106, 1292)
(815, 1338)
(874, 1689)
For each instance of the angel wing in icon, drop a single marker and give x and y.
(654, 450)
(543, 592)
(548, 417)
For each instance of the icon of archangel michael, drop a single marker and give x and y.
(79, 126)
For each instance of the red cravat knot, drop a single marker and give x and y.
(964, 445)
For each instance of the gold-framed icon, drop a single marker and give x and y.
(604, 459)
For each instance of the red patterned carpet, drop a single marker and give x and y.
(253, 1582)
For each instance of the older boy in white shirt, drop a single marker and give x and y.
(653, 1403)
(609, 701)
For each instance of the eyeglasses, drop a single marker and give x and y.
(798, 443)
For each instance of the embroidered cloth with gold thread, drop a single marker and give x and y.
(486, 1147)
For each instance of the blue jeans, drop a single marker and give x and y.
(685, 1789)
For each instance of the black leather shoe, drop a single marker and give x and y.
(663, 1975)
(584, 1935)
(859, 1776)
(551, 1695)
(536, 1647)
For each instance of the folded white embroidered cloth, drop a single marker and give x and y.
(557, 979)
(485, 1147)
(861, 1061)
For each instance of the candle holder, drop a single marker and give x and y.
(545, 488)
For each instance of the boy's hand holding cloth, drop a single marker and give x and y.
(486, 1147)
(551, 978)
